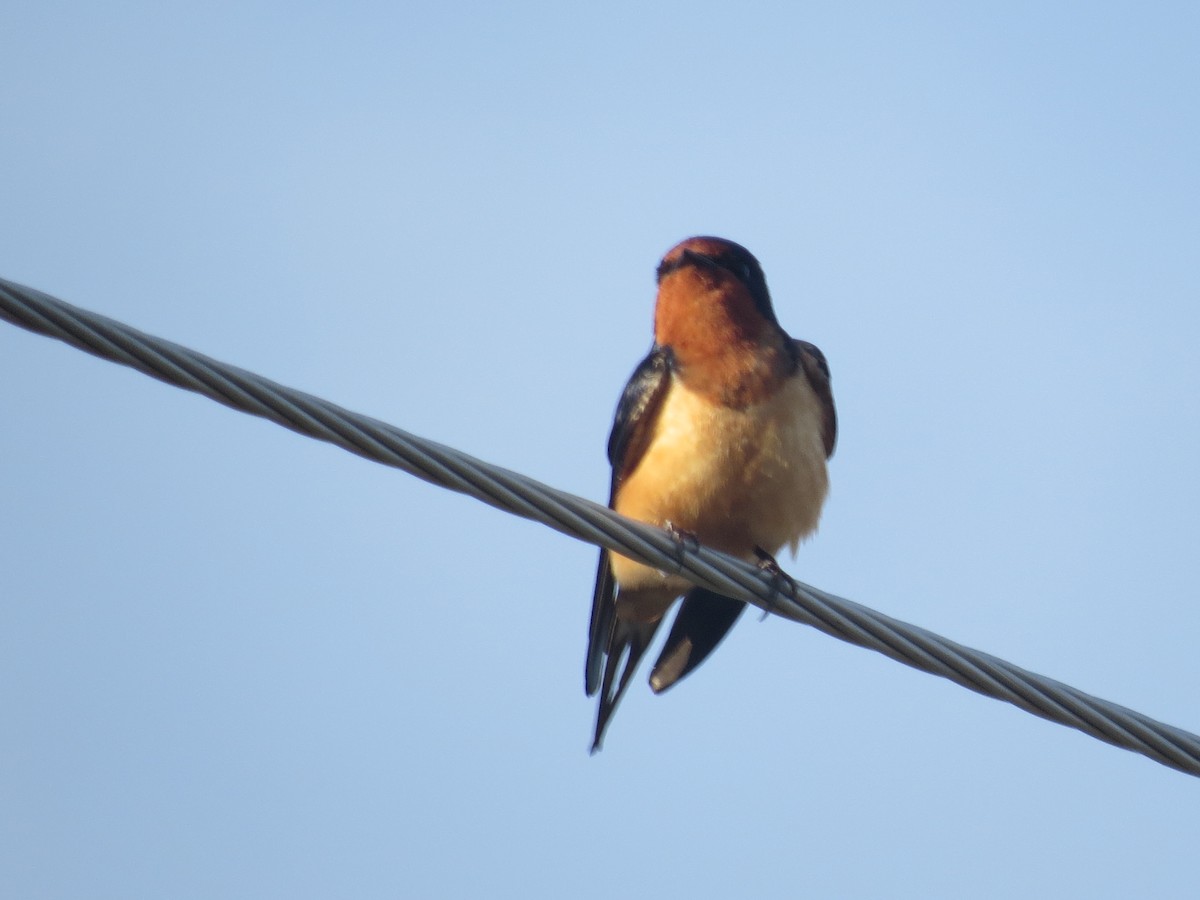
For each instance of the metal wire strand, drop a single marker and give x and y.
(593, 523)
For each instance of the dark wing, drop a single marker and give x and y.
(634, 422)
(631, 431)
(703, 620)
(816, 369)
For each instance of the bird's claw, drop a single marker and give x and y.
(767, 563)
(685, 542)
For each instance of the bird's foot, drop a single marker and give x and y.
(779, 578)
(685, 542)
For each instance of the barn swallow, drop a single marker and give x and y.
(721, 434)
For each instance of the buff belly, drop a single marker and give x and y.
(735, 478)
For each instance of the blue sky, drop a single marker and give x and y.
(235, 662)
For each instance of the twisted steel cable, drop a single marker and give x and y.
(596, 524)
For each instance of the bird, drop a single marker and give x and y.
(721, 436)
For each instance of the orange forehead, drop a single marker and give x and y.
(708, 305)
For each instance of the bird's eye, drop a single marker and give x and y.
(739, 268)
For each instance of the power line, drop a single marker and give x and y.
(596, 524)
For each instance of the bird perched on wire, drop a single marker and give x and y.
(721, 435)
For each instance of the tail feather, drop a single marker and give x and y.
(617, 643)
(604, 611)
(626, 646)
